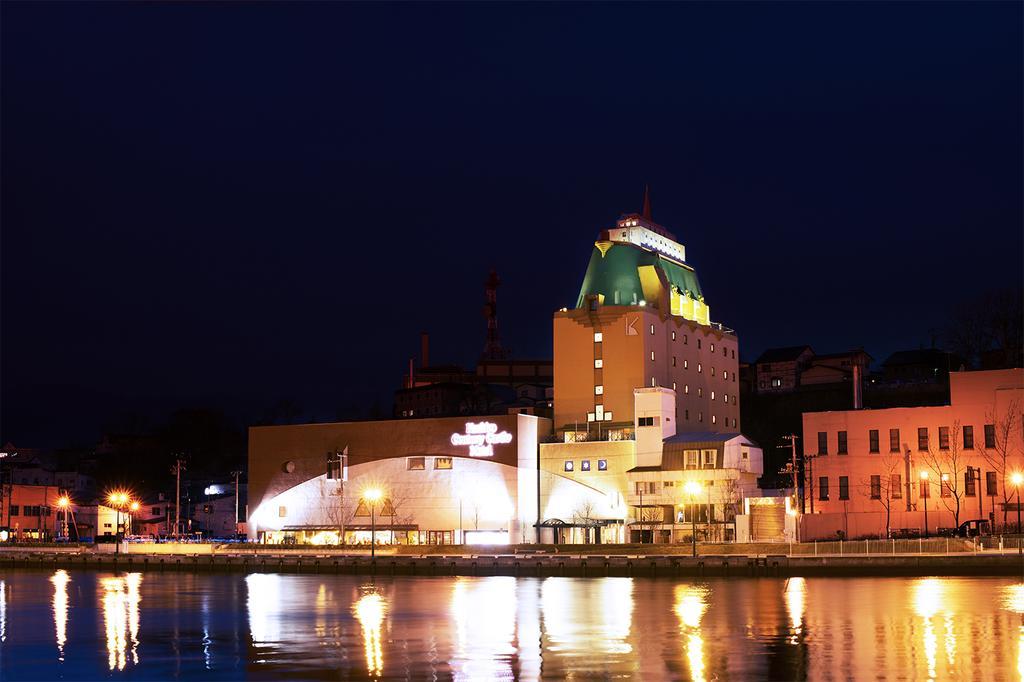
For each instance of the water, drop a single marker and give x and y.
(94, 625)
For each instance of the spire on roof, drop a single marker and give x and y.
(646, 212)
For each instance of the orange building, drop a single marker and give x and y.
(870, 471)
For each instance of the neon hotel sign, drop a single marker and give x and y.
(481, 437)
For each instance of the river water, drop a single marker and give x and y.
(95, 625)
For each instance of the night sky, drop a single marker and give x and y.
(230, 205)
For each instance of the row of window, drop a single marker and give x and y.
(29, 510)
(895, 486)
(599, 338)
(967, 433)
(420, 463)
(570, 465)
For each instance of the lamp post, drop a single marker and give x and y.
(925, 491)
(62, 503)
(131, 517)
(120, 500)
(692, 489)
(1017, 478)
(372, 495)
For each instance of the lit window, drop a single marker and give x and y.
(686, 388)
(652, 330)
(725, 374)
(602, 465)
(442, 462)
(699, 368)
(673, 385)
(673, 336)
(725, 397)
(598, 390)
(568, 465)
(599, 363)
(714, 419)
(585, 465)
(686, 364)
(598, 337)
(281, 511)
(700, 392)
(608, 416)
(712, 348)
(415, 463)
(712, 395)
(652, 355)
(653, 382)
(700, 416)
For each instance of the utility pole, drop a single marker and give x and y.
(179, 464)
(236, 472)
(797, 497)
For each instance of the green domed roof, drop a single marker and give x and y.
(614, 274)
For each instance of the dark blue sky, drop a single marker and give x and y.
(232, 204)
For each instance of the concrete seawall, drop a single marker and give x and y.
(990, 564)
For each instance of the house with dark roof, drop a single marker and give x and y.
(777, 370)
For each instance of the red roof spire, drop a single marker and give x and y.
(646, 212)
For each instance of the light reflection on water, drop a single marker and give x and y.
(78, 624)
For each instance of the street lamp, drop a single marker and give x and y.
(692, 489)
(372, 495)
(131, 518)
(62, 503)
(924, 482)
(119, 500)
(1017, 478)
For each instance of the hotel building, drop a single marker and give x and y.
(646, 400)
(871, 472)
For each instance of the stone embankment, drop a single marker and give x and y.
(536, 565)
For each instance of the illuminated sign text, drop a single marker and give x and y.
(480, 438)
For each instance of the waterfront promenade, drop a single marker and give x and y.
(937, 556)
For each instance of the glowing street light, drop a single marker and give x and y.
(372, 496)
(692, 488)
(120, 500)
(924, 489)
(63, 502)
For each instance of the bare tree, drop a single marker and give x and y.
(889, 485)
(336, 506)
(1002, 450)
(648, 517)
(948, 464)
(583, 516)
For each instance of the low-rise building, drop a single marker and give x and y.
(873, 472)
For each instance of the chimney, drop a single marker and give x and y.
(412, 378)
(424, 350)
(858, 389)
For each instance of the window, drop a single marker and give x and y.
(725, 397)
(712, 371)
(990, 435)
(686, 414)
(712, 395)
(745, 454)
(895, 486)
(700, 392)
(922, 438)
(725, 374)
(692, 459)
(415, 463)
(894, 440)
(568, 465)
(714, 419)
(823, 488)
(599, 363)
(822, 443)
(282, 512)
(333, 466)
(673, 361)
(14, 510)
(725, 352)
(841, 449)
(686, 389)
(155, 511)
(943, 438)
(968, 438)
(602, 465)
(442, 462)
(945, 489)
(700, 416)
(686, 364)
(652, 330)
(585, 465)
(970, 487)
(654, 382)
(709, 458)
(652, 356)
(598, 337)
(844, 487)
(686, 339)
(991, 487)
(925, 488)
(673, 336)
(699, 368)
(734, 357)
(698, 344)
(776, 382)
(645, 421)
(712, 348)
(876, 487)
(674, 388)
(599, 390)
